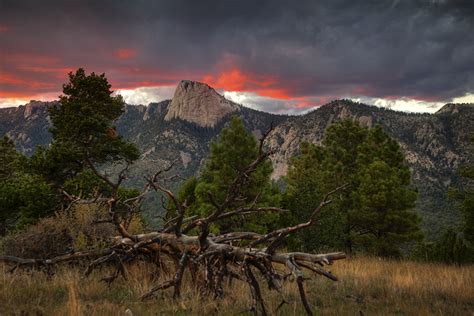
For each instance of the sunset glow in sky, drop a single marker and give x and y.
(276, 56)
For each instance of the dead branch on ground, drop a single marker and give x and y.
(246, 256)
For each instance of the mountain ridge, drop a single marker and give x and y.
(434, 144)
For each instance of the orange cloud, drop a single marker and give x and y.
(3, 28)
(10, 79)
(47, 96)
(57, 72)
(125, 53)
(27, 74)
(22, 58)
(236, 80)
(30, 74)
(276, 93)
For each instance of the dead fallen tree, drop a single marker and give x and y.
(210, 259)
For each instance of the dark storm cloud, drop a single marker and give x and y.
(283, 49)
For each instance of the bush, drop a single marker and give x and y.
(64, 232)
(451, 248)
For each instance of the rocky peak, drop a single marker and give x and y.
(198, 103)
(453, 108)
(155, 109)
(347, 109)
(33, 107)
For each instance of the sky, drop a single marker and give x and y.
(275, 56)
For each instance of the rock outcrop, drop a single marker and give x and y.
(200, 104)
(27, 125)
(34, 108)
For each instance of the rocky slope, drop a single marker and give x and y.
(435, 145)
(27, 125)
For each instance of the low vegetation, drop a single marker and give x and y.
(366, 286)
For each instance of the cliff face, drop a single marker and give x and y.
(200, 104)
(27, 125)
(435, 145)
(434, 142)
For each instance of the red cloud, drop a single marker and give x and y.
(3, 28)
(28, 58)
(236, 80)
(9, 79)
(125, 53)
(31, 74)
(28, 74)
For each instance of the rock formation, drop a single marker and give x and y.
(200, 104)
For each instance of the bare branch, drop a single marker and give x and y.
(283, 232)
(210, 259)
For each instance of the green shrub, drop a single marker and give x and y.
(75, 230)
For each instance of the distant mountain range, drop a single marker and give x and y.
(434, 144)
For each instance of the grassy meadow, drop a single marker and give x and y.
(366, 286)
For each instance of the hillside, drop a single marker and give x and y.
(435, 145)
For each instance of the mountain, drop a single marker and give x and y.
(434, 144)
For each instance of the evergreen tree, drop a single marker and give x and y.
(24, 196)
(84, 139)
(374, 213)
(83, 133)
(229, 154)
(83, 120)
(382, 216)
(10, 159)
(383, 219)
(305, 187)
(342, 143)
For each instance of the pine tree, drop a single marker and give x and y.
(383, 218)
(229, 154)
(374, 215)
(83, 120)
(9, 158)
(84, 136)
(84, 139)
(24, 196)
(342, 143)
(305, 187)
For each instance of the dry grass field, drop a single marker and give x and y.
(366, 286)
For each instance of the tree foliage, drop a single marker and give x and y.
(375, 214)
(382, 220)
(24, 196)
(84, 139)
(83, 120)
(229, 154)
(304, 189)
